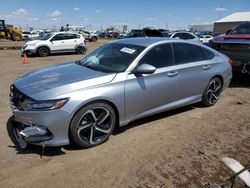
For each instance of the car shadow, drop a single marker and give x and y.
(57, 54)
(155, 117)
(56, 151)
(240, 80)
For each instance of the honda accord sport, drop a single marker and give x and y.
(124, 80)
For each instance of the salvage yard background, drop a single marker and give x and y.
(178, 148)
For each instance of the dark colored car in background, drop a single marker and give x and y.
(235, 44)
(146, 32)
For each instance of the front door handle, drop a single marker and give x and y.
(172, 74)
(206, 67)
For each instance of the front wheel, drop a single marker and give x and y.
(212, 92)
(94, 39)
(92, 125)
(43, 51)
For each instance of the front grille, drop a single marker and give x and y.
(17, 98)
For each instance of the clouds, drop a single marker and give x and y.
(55, 13)
(76, 9)
(152, 18)
(222, 9)
(87, 18)
(20, 11)
(33, 19)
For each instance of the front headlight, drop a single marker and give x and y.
(30, 105)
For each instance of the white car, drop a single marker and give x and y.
(58, 42)
(206, 38)
(182, 35)
(90, 36)
(25, 34)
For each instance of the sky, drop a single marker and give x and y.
(100, 14)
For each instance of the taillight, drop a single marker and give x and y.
(230, 61)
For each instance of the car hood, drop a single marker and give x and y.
(34, 41)
(56, 80)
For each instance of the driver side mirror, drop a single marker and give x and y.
(144, 69)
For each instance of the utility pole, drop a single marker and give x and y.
(220, 12)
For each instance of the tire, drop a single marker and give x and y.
(94, 39)
(212, 92)
(43, 51)
(16, 37)
(80, 50)
(92, 125)
(16, 138)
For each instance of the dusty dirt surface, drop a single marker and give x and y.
(178, 148)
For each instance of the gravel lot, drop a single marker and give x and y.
(178, 148)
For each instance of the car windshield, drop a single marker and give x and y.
(46, 36)
(112, 57)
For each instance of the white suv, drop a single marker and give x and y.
(58, 42)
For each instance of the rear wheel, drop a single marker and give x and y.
(80, 50)
(43, 51)
(92, 125)
(212, 92)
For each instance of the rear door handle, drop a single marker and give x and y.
(172, 74)
(206, 67)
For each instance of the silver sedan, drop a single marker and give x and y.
(122, 81)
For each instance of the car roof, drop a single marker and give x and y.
(142, 41)
(63, 32)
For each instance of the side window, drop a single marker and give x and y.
(59, 37)
(187, 36)
(177, 35)
(187, 53)
(159, 56)
(207, 54)
(70, 36)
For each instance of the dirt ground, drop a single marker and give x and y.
(178, 148)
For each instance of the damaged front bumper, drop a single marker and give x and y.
(30, 134)
(35, 134)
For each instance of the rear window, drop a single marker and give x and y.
(187, 53)
(207, 54)
(242, 29)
